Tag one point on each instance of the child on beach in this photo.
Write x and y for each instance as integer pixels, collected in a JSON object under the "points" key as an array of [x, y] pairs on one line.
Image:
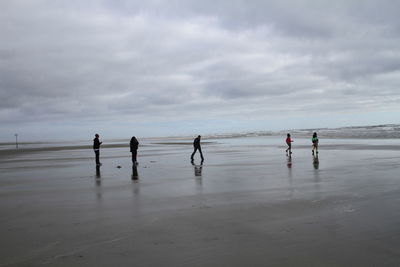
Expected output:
{"points": [[314, 140], [289, 143]]}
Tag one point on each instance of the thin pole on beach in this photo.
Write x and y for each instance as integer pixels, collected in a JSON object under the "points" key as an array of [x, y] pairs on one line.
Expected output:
{"points": [[16, 140]]}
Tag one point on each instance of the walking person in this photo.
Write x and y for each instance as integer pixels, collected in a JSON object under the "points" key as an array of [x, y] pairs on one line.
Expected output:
{"points": [[96, 148], [134, 144], [315, 141], [196, 146], [289, 143]]}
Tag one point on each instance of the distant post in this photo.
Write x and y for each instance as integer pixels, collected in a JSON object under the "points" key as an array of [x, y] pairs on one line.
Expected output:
{"points": [[16, 141]]}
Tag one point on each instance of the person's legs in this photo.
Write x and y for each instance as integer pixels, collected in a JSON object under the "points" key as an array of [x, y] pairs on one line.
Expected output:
{"points": [[134, 155], [97, 152], [314, 148], [194, 152], [201, 154]]}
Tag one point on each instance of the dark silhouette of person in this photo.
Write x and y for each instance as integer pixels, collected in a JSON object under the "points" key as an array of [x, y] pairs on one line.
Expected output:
{"points": [[134, 144], [96, 148], [196, 146]]}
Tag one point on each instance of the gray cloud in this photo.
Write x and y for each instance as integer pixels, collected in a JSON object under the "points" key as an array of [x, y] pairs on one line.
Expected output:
{"points": [[182, 60]]}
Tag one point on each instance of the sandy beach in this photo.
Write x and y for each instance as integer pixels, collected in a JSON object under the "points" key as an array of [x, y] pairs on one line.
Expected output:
{"points": [[247, 205]]}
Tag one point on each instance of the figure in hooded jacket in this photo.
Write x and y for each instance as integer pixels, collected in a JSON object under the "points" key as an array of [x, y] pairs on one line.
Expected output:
{"points": [[134, 144], [96, 148]]}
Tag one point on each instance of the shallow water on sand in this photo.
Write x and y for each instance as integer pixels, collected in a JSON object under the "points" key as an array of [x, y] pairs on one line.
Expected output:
{"points": [[49, 192], [231, 165]]}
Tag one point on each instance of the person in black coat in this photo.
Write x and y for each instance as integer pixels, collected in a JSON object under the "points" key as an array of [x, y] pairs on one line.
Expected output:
{"points": [[196, 146], [96, 148], [134, 147]]}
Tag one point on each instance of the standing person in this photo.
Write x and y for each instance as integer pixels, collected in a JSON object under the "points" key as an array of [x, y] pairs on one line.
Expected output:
{"points": [[314, 140], [134, 147], [96, 148], [289, 143], [196, 146]]}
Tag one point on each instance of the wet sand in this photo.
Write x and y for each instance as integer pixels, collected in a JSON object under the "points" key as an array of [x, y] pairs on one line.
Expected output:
{"points": [[247, 205]]}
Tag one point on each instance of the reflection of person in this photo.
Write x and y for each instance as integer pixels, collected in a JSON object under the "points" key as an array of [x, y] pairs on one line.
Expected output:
{"points": [[96, 148], [315, 141], [134, 144], [196, 146], [315, 162], [98, 174], [289, 143], [135, 175], [289, 162], [197, 169]]}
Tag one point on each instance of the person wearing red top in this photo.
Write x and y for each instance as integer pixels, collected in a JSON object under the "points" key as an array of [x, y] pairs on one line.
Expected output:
{"points": [[289, 143]]}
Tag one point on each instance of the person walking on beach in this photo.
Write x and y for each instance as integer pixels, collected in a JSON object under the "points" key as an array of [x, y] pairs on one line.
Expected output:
{"points": [[96, 148], [196, 146], [134, 147], [314, 140], [289, 143]]}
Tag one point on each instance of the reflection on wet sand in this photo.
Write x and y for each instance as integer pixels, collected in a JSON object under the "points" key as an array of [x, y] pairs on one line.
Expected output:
{"points": [[98, 183], [315, 162], [197, 169], [98, 174], [198, 174], [135, 175], [135, 179], [290, 176], [289, 162], [316, 177]]}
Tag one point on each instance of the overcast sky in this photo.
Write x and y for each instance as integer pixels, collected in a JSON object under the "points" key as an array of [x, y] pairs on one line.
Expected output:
{"points": [[70, 68]]}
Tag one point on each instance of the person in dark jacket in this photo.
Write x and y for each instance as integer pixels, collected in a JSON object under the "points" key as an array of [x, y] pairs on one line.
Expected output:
{"points": [[134, 147], [196, 146], [96, 148]]}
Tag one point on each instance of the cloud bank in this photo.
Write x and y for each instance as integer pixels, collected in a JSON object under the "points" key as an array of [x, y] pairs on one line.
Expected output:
{"points": [[102, 64]]}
